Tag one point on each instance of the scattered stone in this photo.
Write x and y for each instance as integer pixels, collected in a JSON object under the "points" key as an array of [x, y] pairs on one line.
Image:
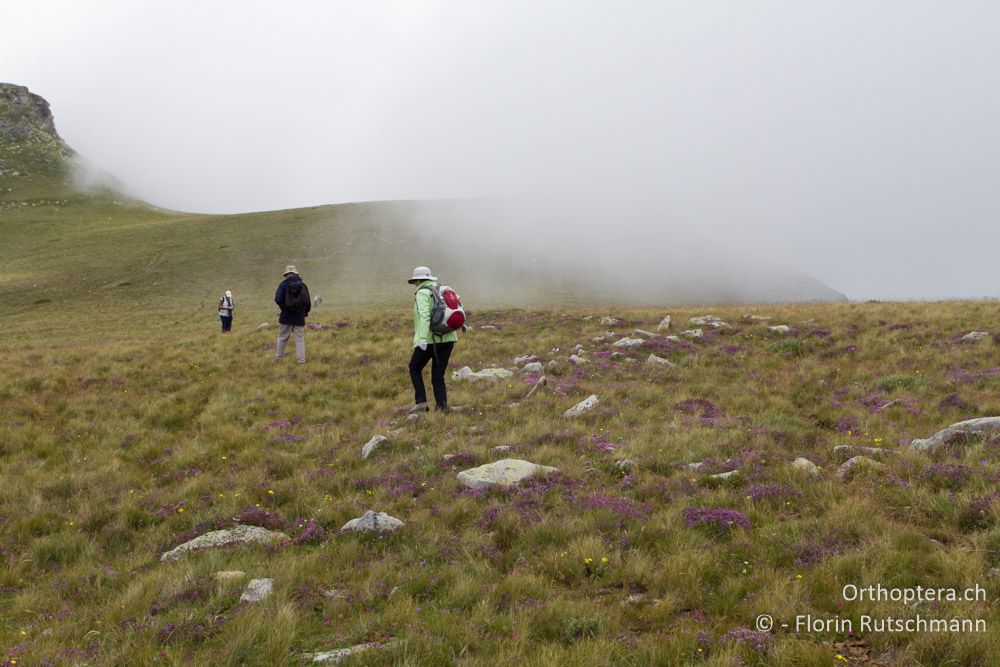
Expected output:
{"points": [[486, 327], [609, 321], [654, 360], [542, 381], [229, 575], [586, 405], [335, 594], [493, 374], [708, 321], [578, 348], [533, 367], [263, 325], [844, 452], [756, 318], [257, 590], [634, 599], [239, 534], [588, 318], [501, 448], [341, 654], [664, 324], [395, 433], [506, 472], [626, 464], [373, 444], [725, 475], [371, 521], [525, 359], [693, 333], [958, 433], [552, 364], [641, 333], [317, 300], [975, 336], [674, 339], [603, 337], [578, 361], [416, 416], [779, 328], [628, 342], [805, 465], [695, 466], [851, 467]]}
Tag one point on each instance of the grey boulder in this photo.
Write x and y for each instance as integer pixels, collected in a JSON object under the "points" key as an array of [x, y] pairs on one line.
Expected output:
{"points": [[958, 433], [506, 472], [257, 590], [239, 534], [371, 521]]}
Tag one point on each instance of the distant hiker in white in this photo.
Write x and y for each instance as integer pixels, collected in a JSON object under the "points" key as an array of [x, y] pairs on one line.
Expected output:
{"points": [[437, 317], [226, 311], [293, 299]]}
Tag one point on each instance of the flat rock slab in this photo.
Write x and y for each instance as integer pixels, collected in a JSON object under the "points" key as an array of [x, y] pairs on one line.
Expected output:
{"points": [[584, 406], [257, 590], [976, 336], [693, 333], [628, 342], [373, 444], [341, 654], [372, 521], [852, 467], [642, 333], [533, 367], [229, 575], [780, 328], [654, 360], [958, 433], [609, 321], [578, 360], [492, 374], [506, 472], [224, 538]]}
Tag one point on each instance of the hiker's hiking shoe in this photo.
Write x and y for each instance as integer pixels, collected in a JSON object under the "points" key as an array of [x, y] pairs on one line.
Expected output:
{"points": [[419, 407]]}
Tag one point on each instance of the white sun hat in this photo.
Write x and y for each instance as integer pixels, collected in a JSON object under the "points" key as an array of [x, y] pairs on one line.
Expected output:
{"points": [[421, 273]]}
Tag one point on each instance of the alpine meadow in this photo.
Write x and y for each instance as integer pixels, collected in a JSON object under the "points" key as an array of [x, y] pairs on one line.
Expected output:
{"points": [[685, 480]]}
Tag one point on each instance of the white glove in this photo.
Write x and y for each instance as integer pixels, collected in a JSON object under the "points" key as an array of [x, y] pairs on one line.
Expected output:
{"points": [[423, 347]]}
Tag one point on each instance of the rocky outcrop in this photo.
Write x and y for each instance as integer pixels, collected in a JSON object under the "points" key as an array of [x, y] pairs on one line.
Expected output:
{"points": [[959, 433], [371, 521], [506, 472], [223, 538], [586, 405]]}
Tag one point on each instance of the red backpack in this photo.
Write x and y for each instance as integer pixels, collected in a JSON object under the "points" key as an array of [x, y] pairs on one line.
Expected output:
{"points": [[447, 315]]}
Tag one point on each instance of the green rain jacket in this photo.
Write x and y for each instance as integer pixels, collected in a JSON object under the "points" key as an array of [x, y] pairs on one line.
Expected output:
{"points": [[423, 304]]}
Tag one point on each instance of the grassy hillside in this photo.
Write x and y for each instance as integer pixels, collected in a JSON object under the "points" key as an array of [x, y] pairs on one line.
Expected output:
{"points": [[112, 451]]}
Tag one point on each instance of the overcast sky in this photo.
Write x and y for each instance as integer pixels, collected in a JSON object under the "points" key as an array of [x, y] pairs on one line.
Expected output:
{"points": [[855, 141]]}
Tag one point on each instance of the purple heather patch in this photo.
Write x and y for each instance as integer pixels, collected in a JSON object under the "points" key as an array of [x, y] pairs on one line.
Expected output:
{"points": [[731, 349], [313, 534], [283, 424], [961, 375], [953, 400], [819, 332], [815, 550], [847, 425], [258, 516], [398, 484], [719, 517], [901, 326], [755, 639], [707, 412], [951, 476], [286, 438], [623, 507]]}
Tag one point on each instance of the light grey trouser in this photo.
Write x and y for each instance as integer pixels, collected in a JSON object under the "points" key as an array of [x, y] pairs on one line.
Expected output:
{"points": [[286, 330]]}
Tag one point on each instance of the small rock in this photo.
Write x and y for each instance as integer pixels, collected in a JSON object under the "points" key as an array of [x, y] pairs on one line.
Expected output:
{"points": [[552, 364], [341, 654], [263, 325], [501, 448], [805, 465], [506, 472], [756, 318], [725, 475], [695, 466], [708, 321], [635, 598], [674, 339], [609, 321], [493, 374], [586, 405], [533, 367], [239, 534], [335, 594], [373, 444], [588, 318], [628, 342], [654, 360], [779, 328], [371, 521], [257, 590], [578, 361], [578, 348], [640, 333], [664, 324], [975, 336], [487, 327], [851, 467], [693, 333], [229, 575], [525, 359], [626, 464], [416, 416]]}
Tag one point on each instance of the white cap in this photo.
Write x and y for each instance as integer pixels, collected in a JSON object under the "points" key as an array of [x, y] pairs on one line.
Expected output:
{"points": [[421, 273], [229, 294]]}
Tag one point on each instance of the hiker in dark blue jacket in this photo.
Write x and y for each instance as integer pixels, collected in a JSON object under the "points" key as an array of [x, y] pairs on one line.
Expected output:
{"points": [[293, 299]]}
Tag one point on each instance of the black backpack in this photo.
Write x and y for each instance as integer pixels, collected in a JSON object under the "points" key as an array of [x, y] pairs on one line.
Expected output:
{"points": [[297, 297]]}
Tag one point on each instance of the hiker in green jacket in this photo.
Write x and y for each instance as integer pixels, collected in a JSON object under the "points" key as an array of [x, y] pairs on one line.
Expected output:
{"points": [[428, 346]]}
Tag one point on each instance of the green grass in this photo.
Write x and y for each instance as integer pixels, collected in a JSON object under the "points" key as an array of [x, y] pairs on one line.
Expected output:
{"points": [[114, 447]]}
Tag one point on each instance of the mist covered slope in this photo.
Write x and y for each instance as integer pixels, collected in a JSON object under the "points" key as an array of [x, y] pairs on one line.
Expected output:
{"points": [[74, 242]]}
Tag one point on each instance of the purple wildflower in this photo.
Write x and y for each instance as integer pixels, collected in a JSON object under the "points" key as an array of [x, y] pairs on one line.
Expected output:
{"points": [[953, 400], [755, 639], [760, 492], [258, 516], [623, 507], [313, 534], [946, 475], [719, 517], [820, 333]]}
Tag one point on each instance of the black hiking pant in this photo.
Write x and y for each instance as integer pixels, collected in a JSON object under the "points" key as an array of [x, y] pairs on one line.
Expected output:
{"points": [[437, 354]]}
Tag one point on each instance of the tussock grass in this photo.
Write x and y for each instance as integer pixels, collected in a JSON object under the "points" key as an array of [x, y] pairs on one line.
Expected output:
{"points": [[117, 447]]}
